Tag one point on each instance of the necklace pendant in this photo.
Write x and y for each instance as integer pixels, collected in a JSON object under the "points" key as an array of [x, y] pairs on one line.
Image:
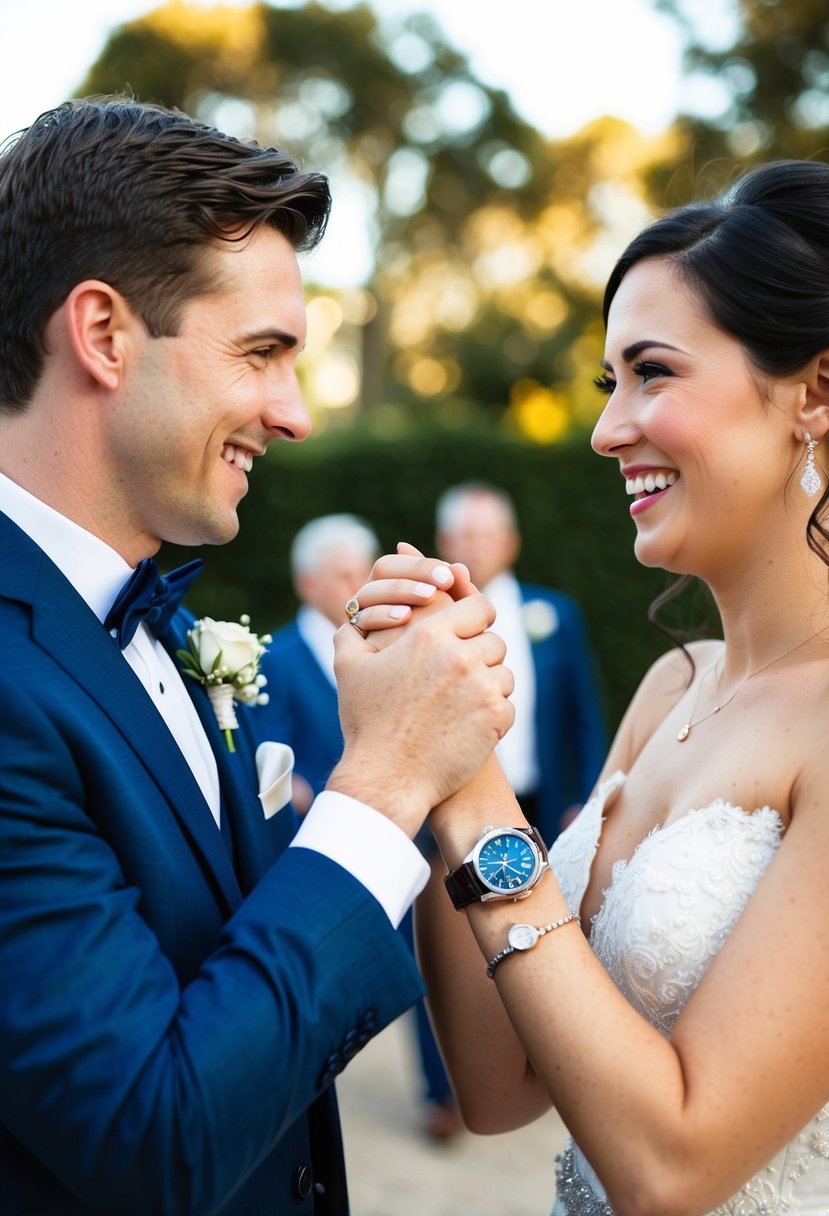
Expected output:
{"points": [[683, 734]]}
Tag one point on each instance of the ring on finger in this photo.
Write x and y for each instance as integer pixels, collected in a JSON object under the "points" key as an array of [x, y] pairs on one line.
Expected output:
{"points": [[353, 622], [352, 608]]}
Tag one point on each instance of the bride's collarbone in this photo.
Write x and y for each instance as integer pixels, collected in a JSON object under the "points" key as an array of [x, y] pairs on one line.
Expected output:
{"points": [[746, 746]]}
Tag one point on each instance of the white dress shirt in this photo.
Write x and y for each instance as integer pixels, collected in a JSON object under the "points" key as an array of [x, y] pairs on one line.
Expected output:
{"points": [[364, 842], [517, 750]]}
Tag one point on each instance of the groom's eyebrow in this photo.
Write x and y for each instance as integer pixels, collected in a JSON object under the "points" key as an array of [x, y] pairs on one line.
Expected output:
{"points": [[281, 336]]}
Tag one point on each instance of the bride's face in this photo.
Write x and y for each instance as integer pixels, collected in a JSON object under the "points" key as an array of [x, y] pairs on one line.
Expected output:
{"points": [[704, 442]]}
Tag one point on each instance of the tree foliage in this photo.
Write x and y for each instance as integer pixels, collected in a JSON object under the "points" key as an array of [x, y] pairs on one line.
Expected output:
{"points": [[481, 287], [774, 82]]}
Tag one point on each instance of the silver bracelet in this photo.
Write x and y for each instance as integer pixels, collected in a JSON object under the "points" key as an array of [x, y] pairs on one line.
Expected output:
{"points": [[524, 937]]}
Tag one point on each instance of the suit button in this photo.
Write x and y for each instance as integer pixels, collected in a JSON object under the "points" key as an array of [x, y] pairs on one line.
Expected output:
{"points": [[303, 1182]]}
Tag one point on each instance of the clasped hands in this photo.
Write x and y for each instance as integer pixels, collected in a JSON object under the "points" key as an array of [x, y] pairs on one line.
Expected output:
{"points": [[423, 690]]}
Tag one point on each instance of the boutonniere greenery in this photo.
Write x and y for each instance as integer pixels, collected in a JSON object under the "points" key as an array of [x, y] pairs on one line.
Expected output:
{"points": [[224, 656]]}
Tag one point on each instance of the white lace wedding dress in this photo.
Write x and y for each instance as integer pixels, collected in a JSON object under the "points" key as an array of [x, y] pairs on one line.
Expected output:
{"points": [[664, 917]]}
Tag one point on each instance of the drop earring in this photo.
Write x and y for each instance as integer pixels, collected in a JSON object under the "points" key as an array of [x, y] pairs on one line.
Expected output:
{"points": [[810, 481]]}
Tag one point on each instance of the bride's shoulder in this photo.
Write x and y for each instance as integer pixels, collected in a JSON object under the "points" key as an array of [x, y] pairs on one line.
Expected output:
{"points": [[665, 681], [674, 672]]}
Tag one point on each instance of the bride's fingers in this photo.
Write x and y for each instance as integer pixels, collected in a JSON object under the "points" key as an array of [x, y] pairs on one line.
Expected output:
{"points": [[414, 567], [409, 564], [462, 584], [390, 591], [382, 616]]}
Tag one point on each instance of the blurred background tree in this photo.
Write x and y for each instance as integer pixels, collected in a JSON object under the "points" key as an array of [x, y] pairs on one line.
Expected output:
{"points": [[765, 78], [466, 343], [481, 273]]}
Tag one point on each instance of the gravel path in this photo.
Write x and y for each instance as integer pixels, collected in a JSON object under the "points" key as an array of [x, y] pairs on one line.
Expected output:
{"points": [[393, 1170]]}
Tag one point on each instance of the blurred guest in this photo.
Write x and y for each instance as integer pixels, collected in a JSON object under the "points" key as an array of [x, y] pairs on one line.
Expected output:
{"points": [[553, 753], [331, 557]]}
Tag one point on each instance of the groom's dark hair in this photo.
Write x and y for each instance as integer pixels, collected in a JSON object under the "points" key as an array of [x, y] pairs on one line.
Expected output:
{"points": [[129, 193]]}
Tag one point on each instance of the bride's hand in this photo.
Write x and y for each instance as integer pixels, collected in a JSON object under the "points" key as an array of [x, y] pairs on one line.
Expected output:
{"points": [[402, 583]]}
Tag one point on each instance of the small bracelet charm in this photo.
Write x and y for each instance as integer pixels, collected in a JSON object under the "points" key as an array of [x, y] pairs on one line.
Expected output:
{"points": [[524, 937]]}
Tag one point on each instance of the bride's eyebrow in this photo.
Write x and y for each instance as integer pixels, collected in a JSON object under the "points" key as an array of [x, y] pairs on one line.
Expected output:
{"points": [[635, 349]]}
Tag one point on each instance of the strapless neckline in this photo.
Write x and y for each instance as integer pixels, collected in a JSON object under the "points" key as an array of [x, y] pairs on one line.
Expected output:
{"points": [[665, 915], [591, 820]]}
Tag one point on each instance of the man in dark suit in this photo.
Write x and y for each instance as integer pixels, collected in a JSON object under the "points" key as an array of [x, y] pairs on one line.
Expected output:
{"points": [[557, 745], [181, 980]]}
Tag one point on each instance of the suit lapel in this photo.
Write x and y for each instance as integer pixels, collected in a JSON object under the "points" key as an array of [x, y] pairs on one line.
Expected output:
{"points": [[256, 841], [67, 630]]}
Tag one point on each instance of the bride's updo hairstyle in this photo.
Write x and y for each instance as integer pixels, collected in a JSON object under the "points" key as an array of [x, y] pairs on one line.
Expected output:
{"points": [[758, 259]]}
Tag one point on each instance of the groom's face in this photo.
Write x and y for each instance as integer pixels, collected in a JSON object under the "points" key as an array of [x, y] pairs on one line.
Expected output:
{"points": [[197, 409]]}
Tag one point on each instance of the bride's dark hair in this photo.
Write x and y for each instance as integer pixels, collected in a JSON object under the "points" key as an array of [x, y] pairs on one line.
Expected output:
{"points": [[758, 259]]}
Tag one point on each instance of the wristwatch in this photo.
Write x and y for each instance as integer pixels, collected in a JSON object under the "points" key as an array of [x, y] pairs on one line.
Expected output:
{"points": [[524, 937], [506, 863]]}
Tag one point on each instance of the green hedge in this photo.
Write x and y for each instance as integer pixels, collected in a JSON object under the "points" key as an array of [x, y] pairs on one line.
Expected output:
{"points": [[577, 532]]}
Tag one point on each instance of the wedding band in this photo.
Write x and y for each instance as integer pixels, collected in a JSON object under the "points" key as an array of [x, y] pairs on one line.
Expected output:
{"points": [[353, 622], [352, 608]]}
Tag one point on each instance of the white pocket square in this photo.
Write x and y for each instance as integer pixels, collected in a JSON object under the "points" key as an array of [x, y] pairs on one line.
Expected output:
{"points": [[274, 768]]}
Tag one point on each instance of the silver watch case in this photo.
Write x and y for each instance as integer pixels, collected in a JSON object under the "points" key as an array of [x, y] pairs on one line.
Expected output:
{"points": [[493, 892]]}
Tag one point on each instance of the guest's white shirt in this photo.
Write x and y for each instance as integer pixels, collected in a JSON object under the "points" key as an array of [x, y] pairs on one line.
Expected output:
{"points": [[517, 750], [317, 632], [364, 842]]}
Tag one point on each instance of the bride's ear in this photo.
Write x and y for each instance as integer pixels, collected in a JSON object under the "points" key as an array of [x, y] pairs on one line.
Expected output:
{"points": [[813, 409]]}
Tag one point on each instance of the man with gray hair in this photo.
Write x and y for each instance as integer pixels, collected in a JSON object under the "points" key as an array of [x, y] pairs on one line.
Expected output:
{"points": [[331, 558]]}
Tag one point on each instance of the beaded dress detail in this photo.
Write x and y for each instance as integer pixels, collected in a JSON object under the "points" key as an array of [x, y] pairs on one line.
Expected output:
{"points": [[666, 914]]}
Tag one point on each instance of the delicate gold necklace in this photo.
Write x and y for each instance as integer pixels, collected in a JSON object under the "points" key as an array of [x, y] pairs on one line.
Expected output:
{"points": [[685, 731]]}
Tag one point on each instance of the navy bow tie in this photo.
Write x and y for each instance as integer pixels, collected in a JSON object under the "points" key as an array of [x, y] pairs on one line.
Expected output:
{"points": [[146, 596]]}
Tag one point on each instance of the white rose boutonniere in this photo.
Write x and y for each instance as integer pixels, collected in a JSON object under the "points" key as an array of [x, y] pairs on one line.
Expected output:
{"points": [[224, 657], [540, 619]]}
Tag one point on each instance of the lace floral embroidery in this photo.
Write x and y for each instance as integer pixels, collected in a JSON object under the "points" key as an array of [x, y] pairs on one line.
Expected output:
{"points": [[664, 917], [814, 1144], [669, 910]]}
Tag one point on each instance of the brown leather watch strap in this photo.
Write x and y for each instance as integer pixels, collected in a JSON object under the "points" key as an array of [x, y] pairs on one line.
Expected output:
{"points": [[464, 886]]}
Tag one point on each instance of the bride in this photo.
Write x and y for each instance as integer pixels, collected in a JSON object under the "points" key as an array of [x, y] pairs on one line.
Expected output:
{"points": [[681, 1027]]}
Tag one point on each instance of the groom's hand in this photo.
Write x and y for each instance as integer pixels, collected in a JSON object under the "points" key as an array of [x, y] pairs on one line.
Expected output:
{"points": [[422, 716]]}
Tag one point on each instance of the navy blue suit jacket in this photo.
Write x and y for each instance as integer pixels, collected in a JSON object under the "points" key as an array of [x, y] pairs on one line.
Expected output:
{"points": [[569, 719], [302, 707], [170, 1023]]}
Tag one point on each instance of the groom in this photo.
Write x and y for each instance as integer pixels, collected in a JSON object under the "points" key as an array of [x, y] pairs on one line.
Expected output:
{"points": [[179, 986]]}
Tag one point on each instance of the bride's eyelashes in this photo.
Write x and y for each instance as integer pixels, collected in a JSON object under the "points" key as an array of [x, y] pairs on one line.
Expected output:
{"points": [[650, 371], [645, 369]]}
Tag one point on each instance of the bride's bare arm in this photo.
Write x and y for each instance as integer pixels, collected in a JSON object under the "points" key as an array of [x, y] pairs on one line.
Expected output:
{"points": [[669, 1125]]}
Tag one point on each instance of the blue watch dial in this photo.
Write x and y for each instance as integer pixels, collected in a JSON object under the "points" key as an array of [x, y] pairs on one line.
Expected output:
{"points": [[506, 862]]}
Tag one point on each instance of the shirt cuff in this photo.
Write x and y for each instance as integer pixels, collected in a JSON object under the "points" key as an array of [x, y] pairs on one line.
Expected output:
{"points": [[367, 844]]}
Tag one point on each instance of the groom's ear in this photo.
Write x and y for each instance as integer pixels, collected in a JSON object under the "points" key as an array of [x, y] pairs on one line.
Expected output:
{"points": [[100, 326]]}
